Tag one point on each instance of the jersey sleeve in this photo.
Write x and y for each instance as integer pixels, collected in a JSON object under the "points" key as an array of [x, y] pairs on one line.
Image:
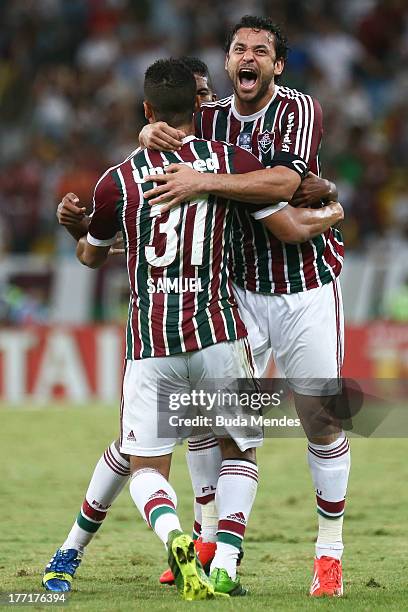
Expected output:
{"points": [[197, 124], [243, 162], [301, 134], [104, 223]]}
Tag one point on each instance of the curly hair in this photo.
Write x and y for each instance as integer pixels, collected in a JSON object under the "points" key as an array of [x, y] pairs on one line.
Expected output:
{"points": [[261, 23]]}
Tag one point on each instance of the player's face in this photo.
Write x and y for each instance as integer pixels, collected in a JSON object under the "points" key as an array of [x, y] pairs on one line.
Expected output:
{"points": [[204, 91], [252, 65]]}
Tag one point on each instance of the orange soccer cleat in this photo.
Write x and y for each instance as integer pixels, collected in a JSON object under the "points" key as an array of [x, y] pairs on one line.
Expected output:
{"points": [[205, 552], [167, 577], [327, 578]]}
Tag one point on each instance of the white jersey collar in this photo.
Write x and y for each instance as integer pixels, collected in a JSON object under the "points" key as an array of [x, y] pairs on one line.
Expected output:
{"points": [[256, 115], [188, 138]]}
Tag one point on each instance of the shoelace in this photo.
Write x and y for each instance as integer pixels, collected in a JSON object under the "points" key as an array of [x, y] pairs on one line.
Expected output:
{"points": [[64, 562]]}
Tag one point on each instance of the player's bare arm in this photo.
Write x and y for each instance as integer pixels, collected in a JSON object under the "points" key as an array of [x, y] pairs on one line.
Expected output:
{"points": [[314, 189], [73, 217], [89, 255], [297, 225], [182, 183]]}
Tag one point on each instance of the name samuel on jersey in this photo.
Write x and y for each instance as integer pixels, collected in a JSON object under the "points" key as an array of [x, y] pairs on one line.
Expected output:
{"points": [[174, 285]]}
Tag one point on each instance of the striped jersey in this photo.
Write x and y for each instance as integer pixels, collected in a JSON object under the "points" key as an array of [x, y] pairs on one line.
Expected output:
{"points": [[287, 131], [180, 291]]}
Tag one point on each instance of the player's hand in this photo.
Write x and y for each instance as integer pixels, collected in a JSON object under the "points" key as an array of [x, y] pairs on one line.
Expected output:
{"points": [[180, 183], [312, 190], [69, 212], [337, 211], [161, 137], [118, 247]]}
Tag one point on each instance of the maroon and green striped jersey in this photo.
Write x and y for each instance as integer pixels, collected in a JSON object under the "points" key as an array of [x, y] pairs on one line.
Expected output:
{"points": [[180, 290], [287, 131]]}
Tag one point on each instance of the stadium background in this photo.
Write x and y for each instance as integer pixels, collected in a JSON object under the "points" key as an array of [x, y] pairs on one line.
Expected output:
{"points": [[71, 82], [71, 75]]}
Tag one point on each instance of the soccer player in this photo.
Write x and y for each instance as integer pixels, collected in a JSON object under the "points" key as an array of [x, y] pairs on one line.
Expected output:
{"points": [[205, 88], [291, 290], [112, 470], [183, 325], [204, 458], [177, 336]]}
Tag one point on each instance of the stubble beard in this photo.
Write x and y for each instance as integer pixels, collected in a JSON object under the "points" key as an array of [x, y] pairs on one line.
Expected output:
{"points": [[265, 85]]}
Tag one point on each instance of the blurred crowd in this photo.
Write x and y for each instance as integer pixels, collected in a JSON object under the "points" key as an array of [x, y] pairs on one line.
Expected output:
{"points": [[71, 86]]}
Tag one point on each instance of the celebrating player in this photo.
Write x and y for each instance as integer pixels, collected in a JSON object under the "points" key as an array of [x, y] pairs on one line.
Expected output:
{"points": [[111, 471], [291, 291], [177, 337]]}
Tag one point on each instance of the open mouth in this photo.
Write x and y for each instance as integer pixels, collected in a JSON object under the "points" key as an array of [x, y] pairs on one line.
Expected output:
{"points": [[247, 78]]}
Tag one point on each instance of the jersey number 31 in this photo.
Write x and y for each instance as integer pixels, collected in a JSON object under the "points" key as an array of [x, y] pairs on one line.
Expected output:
{"points": [[174, 232]]}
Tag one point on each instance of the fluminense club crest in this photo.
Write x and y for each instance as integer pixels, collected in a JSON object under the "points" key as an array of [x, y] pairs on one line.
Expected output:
{"points": [[266, 142]]}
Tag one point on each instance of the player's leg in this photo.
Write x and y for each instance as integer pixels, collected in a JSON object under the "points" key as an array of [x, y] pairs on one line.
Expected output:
{"points": [[110, 475], [310, 354], [204, 455], [204, 463], [236, 492], [156, 501], [150, 455], [108, 479], [254, 314], [153, 495], [238, 476]]}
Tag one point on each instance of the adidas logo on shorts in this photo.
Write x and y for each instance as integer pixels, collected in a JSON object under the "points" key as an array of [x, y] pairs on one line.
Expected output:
{"points": [[131, 436]]}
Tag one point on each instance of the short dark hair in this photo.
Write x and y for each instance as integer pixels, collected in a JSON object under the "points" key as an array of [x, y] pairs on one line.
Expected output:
{"points": [[195, 65], [198, 67], [170, 88], [261, 23]]}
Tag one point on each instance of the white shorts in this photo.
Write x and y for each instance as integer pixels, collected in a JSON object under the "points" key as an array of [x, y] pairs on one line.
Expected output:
{"points": [[304, 333], [146, 380]]}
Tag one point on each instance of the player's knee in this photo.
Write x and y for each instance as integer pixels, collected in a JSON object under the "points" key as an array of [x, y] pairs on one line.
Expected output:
{"points": [[159, 464], [324, 440], [117, 446], [319, 422], [230, 450]]}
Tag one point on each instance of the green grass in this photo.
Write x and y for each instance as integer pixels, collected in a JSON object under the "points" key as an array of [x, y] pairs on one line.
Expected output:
{"points": [[46, 458]]}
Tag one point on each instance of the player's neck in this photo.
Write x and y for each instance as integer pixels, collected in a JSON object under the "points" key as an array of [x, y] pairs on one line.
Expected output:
{"points": [[251, 107], [187, 128]]}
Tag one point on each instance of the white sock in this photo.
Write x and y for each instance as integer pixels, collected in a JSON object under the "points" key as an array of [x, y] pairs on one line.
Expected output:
{"points": [[110, 476], [236, 491], [330, 467], [209, 524], [329, 541], [156, 501], [226, 557], [204, 463]]}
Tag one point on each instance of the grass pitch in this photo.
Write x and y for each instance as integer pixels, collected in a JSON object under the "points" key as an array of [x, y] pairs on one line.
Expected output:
{"points": [[46, 458]]}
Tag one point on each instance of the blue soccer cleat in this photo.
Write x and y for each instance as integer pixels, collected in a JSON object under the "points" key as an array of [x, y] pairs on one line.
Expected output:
{"points": [[61, 569]]}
